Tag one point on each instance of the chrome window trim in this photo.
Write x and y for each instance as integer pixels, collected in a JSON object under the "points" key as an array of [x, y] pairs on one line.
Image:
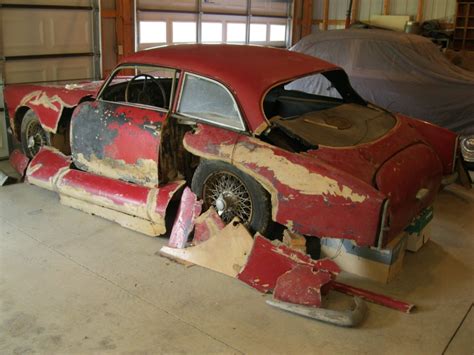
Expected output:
{"points": [[241, 124], [137, 105]]}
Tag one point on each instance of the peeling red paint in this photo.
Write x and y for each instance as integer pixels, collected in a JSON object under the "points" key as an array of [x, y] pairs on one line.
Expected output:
{"points": [[50, 169], [47, 101], [318, 213], [267, 262], [353, 170], [401, 178], [165, 194], [303, 285], [189, 209], [19, 161], [442, 140], [46, 166], [206, 225], [118, 192], [132, 143]]}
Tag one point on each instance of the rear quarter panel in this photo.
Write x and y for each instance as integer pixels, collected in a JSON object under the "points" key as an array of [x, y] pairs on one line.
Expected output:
{"points": [[308, 196]]}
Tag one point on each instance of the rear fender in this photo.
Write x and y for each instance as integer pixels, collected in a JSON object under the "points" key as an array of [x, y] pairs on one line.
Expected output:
{"points": [[308, 196], [443, 141]]}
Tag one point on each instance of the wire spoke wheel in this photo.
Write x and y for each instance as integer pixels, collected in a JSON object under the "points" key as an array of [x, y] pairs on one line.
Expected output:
{"points": [[230, 197], [33, 136], [36, 137], [233, 194]]}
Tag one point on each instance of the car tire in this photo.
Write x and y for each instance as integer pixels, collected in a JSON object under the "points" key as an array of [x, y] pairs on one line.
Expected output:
{"points": [[33, 136], [233, 194]]}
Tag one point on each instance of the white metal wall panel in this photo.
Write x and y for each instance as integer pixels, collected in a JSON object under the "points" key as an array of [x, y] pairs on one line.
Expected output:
{"points": [[172, 5], [50, 69], [433, 9], [46, 31], [48, 2]]}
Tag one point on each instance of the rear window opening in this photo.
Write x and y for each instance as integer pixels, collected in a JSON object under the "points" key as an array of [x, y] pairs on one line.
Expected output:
{"points": [[321, 109]]}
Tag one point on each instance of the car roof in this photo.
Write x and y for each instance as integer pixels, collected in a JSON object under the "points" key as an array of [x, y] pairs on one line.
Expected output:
{"points": [[247, 70]]}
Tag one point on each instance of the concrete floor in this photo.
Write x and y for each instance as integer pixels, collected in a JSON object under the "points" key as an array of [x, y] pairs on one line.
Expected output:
{"points": [[75, 283]]}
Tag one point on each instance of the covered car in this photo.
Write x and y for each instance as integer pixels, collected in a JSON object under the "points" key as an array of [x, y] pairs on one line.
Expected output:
{"points": [[225, 120], [400, 72]]}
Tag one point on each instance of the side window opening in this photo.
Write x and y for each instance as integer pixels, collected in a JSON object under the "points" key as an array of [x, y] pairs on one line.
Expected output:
{"points": [[143, 85], [209, 101]]}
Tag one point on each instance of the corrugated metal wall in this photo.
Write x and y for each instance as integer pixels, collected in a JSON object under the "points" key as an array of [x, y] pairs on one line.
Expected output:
{"points": [[432, 9]]}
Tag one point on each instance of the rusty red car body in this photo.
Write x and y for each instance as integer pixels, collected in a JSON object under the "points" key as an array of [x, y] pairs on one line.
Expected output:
{"points": [[128, 160]]}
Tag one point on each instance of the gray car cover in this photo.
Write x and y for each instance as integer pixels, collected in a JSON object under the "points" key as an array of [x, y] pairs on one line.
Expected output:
{"points": [[397, 71]]}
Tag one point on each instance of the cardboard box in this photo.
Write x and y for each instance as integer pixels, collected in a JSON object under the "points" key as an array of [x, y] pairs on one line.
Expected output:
{"points": [[419, 231], [381, 265]]}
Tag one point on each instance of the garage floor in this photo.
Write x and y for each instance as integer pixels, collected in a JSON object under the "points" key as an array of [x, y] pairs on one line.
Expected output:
{"points": [[75, 283]]}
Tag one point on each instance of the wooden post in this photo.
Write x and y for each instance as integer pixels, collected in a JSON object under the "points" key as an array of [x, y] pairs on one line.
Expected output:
{"points": [[419, 14], [125, 28], [386, 7], [355, 11], [307, 17], [325, 15], [295, 22]]}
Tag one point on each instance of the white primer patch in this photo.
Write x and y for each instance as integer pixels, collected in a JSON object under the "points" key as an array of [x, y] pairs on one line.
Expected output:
{"points": [[293, 175]]}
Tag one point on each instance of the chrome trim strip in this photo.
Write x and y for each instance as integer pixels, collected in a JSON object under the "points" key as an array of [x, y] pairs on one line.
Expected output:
{"points": [[242, 126], [382, 223]]}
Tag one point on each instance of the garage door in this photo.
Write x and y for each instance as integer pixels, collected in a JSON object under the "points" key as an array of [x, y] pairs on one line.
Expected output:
{"points": [[49, 40], [219, 21]]}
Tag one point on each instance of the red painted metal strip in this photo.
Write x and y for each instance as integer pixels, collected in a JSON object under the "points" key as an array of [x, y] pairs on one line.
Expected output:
{"points": [[183, 225], [45, 166], [165, 194], [19, 161], [267, 262], [374, 297], [118, 192]]}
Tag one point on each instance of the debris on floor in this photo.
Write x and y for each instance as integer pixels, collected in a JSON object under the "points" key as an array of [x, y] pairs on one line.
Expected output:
{"points": [[303, 285], [225, 252], [6, 179], [206, 225], [381, 265], [297, 281], [294, 240], [374, 297], [269, 260], [188, 210], [349, 318], [19, 161]]}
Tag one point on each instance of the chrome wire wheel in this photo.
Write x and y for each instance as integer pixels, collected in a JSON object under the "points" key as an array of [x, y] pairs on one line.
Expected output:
{"points": [[36, 137], [229, 196]]}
